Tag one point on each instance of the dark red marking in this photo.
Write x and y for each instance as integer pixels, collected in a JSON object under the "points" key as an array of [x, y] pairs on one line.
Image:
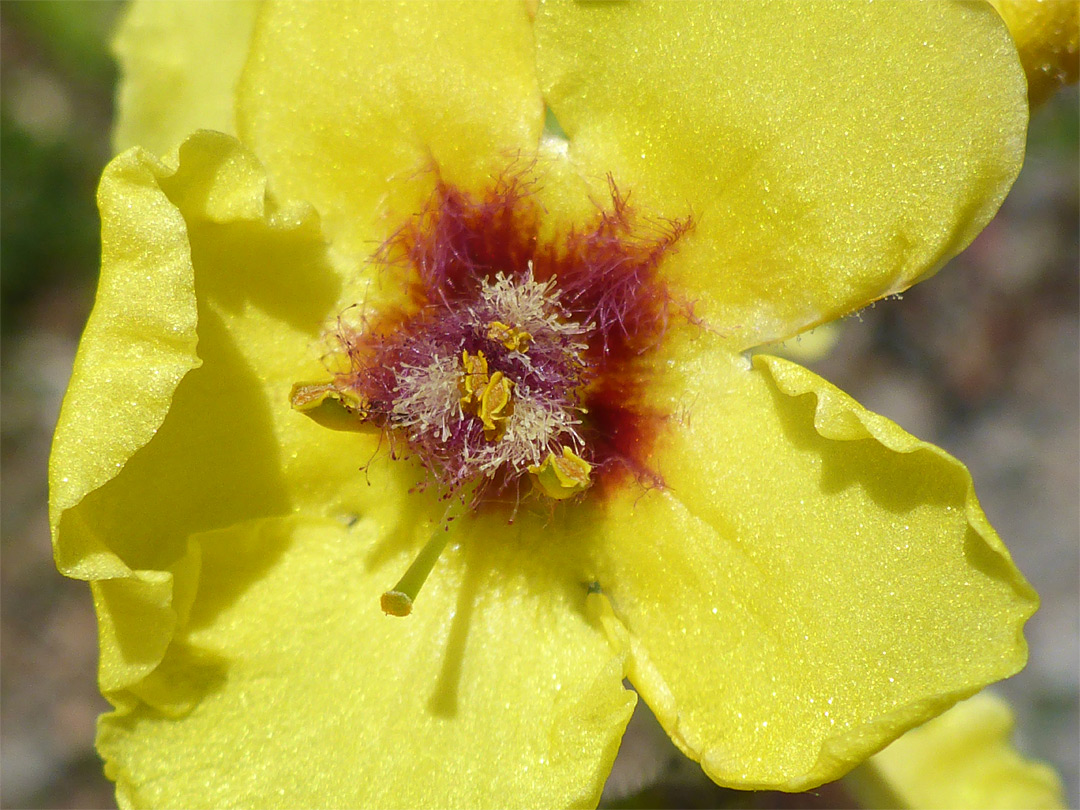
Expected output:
{"points": [[608, 278]]}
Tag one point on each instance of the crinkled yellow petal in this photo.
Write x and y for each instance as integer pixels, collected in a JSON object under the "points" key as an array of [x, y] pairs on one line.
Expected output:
{"points": [[1047, 34], [962, 760], [499, 690], [179, 63], [140, 338], [351, 106], [155, 441], [830, 153], [811, 581]]}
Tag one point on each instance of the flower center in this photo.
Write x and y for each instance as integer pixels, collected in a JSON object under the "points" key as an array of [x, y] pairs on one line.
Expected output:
{"points": [[489, 386], [514, 362], [485, 389]]}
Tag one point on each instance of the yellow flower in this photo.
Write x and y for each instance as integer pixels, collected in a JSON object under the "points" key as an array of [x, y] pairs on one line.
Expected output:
{"points": [[796, 584]]}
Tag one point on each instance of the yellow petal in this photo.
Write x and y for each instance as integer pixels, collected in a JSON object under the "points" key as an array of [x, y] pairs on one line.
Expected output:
{"points": [[154, 442], [961, 760], [171, 519], [352, 105], [830, 153], [139, 341], [1047, 34], [179, 63], [499, 690], [810, 346], [811, 582]]}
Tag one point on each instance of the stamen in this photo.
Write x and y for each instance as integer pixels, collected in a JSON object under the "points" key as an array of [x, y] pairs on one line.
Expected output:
{"points": [[562, 477], [399, 600], [493, 402], [331, 406], [474, 378], [516, 340], [308, 396], [425, 398]]}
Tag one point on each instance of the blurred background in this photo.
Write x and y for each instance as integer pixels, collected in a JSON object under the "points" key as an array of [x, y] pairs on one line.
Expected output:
{"points": [[981, 360]]}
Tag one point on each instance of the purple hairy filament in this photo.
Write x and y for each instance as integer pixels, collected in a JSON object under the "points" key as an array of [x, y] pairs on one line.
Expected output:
{"points": [[511, 356]]}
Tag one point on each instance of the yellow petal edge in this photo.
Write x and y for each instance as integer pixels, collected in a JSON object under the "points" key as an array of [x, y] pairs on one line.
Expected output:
{"points": [[962, 760], [810, 583], [830, 153], [139, 345]]}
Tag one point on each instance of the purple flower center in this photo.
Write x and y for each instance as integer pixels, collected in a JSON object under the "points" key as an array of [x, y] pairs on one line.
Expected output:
{"points": [[512, 359]]}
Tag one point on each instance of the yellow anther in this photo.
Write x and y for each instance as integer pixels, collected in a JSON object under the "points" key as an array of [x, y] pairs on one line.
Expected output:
{"points": [[473, 379], [562, 477], [516, 340], [309, 396], [495, 404]]}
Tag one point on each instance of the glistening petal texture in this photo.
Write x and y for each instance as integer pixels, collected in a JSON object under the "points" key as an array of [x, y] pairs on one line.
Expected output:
{"points": [[179, 64], [498, 688], [351, 106], [139, 341], [811, 581], [236, 515], [831, 153], [962, 760], [136, 349], [177, 417]]}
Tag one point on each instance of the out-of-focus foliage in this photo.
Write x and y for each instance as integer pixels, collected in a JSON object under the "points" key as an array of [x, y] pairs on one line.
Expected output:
{"points": [[56, 85], [55, 106]]}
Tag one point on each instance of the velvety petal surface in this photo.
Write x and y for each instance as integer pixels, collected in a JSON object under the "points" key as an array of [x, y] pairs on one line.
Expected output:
{"points": [[237, 550], [811, 581], [830, 153], [962, 760], [353, 106], [146, 450], [179, 64], [497, 690]]}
